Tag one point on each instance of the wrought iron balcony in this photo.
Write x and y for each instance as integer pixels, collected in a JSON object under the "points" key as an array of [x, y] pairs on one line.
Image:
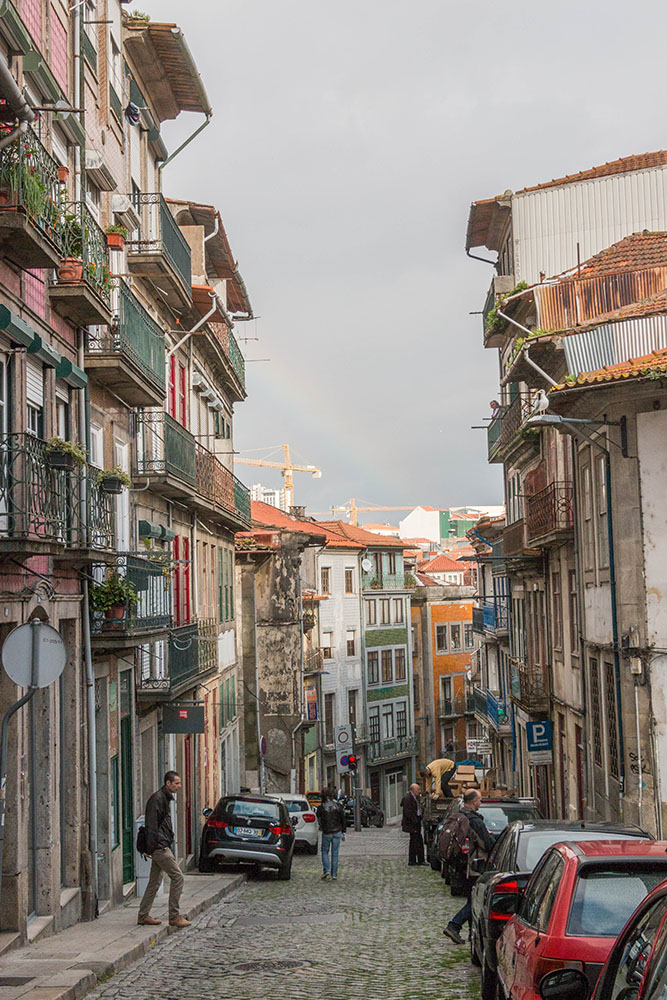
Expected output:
{"points": [[165, 451], [183, 664], [223, 342], [191, 653], [515, 539], [207, 630], [491, 615], [129, 357], [313, 662], [42, 508], [142, 583], [459, 705], [506, 430], [491, 709], [549, 513], [83, 288], [401, 746], [160, 249], [383, 581], [530, 686], [30, 195]]}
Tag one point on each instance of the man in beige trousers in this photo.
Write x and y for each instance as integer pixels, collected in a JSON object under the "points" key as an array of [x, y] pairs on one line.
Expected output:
{"points": [[159, 842]]}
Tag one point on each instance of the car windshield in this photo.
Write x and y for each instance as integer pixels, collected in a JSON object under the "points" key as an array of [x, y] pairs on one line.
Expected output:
{"points": [[298, 805], [532, 844], [605, 898], [496, 817], [234, 809]]}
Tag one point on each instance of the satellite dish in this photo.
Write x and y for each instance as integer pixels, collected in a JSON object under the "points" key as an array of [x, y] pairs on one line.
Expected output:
{"points": [[366, 565]]}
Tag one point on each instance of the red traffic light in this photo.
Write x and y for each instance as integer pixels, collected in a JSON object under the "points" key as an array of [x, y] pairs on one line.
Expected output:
{"points": [[352, 762]]}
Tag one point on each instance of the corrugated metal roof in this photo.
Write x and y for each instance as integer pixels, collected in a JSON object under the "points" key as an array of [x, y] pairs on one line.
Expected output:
{"points": [[614, 343]]}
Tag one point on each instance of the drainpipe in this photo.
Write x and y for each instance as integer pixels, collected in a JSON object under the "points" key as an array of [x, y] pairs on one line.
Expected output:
{"points": [[580, 619], [12, 94], [197, 326], [640, 776]]}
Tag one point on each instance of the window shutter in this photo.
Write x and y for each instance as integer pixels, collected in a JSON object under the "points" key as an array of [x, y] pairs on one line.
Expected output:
{"points": [[35, 382]]}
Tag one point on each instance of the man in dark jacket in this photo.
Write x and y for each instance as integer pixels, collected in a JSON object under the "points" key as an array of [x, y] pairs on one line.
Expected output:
{"points": [[331, 818], [412, 823], [159, 843], [481, 843]]}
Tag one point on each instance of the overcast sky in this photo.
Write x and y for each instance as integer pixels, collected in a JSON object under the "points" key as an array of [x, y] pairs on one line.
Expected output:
{"points": [[347, 142]]}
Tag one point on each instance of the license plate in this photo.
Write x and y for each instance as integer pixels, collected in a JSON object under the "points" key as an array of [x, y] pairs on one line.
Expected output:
{"points": [[247, 831]]}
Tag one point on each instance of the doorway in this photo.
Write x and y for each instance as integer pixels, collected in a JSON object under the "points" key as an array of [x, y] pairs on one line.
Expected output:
{"points": [[393, 793], [127, 784]]}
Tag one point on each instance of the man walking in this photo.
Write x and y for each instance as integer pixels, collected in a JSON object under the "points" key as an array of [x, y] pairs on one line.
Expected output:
{"points": [[159, 843], [481, 843], [332, 822], [412, 823]]}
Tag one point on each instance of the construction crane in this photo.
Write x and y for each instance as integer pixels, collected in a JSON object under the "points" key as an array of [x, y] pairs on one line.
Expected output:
{"points": [[350, 507], [287, 468]]}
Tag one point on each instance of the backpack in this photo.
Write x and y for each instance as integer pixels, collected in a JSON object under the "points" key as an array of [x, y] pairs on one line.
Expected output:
{"points": [[454, 842], [142, 840]]}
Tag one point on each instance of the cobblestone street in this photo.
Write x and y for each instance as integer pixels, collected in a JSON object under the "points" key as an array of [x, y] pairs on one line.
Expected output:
{"points": [[375, 933]]}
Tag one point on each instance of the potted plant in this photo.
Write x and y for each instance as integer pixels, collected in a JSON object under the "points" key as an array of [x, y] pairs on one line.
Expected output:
{"points": [[71, 266], [113, 598], [63, 174], [113, 480], [116, 236], [62, 454]]}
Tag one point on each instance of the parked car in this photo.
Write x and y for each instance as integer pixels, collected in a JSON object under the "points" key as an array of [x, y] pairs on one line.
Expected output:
{"points": [[515, 855], [305, 828], [371, 814], [636, 968], [576, 903], [497, 814], [252, 829], [315, 799]]}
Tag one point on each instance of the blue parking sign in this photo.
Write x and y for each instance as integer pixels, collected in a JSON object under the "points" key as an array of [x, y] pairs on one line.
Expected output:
{"points": [[538, 735]]}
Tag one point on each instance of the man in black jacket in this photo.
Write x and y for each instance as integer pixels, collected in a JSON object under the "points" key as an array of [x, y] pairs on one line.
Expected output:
{"points": [[331, 818], [481, 843], [412, 823], [159, 842]]}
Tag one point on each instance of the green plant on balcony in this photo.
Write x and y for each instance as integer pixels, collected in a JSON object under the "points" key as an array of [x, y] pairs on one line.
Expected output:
{"points": [[410, 580], [375, 584], [308, 620], [113, 480], [19, 174], [113, 596], [494, 322], [116, 236], [65, 454], [138, 15]]}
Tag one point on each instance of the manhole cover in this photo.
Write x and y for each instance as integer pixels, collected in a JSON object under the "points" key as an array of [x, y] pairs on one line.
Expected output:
{"points": [[266, 966], [15, 980]]}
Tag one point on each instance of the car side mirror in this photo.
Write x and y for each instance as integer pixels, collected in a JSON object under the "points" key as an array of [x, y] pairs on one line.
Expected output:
{"points": [[294, 820], [206, 812], [478, 865], [564, 984]]}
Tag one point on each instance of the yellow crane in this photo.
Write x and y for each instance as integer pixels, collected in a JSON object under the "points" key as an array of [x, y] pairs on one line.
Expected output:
{"points": [[350, 507], [287, 467]]}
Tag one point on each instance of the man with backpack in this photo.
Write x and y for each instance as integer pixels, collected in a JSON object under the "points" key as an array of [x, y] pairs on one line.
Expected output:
{"points": [[157, 843], [468, 839]]}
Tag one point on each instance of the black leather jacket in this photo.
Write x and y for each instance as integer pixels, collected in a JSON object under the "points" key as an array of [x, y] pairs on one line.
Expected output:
{"points": [[331, 817], [159, 831]]}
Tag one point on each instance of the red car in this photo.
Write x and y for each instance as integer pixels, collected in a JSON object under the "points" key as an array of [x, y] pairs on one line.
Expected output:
{"points": [[572, 909]]}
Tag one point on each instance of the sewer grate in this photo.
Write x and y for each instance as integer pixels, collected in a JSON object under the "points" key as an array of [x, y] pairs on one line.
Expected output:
{"points": [[15, 980], [266, 966]]}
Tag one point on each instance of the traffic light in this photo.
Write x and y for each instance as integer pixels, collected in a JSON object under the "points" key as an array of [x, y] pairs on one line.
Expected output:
{"points": [[352, 762]]}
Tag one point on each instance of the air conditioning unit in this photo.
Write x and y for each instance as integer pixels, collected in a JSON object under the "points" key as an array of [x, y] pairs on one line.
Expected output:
{"points": [[99, 172], [125, 212]]}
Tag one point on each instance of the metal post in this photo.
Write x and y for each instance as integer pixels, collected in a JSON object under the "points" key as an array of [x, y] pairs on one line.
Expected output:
{"points": [[4, 736], [357, 785]]}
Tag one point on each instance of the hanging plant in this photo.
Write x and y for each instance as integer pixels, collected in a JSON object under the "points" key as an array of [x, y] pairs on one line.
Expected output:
{"points": [[64, 454]]}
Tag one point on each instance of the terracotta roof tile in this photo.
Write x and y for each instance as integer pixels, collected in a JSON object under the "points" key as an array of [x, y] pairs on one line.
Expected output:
{"points": [[634, 252], [648, 366], [265, 514], [427, 581], [366, 538], [441, 564], [624, 165]]}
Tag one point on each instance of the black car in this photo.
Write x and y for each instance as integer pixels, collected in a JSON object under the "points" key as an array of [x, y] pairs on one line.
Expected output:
{"points": [[252, 829], [371, 814], [496, 813], [507, 871]]}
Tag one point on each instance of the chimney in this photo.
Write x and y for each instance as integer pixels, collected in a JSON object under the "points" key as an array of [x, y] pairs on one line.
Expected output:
{"points": [[299, 512]]}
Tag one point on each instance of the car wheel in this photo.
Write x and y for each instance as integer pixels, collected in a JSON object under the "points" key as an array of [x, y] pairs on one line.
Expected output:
{"points": [[381, 821], [311, 848], [474, 957], [206, 865], [489, 981], [364, 821], [285, 871]]}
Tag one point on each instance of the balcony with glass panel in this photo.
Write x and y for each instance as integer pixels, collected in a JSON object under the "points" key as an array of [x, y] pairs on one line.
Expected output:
{"points": [[128, 357], [159, 251]]}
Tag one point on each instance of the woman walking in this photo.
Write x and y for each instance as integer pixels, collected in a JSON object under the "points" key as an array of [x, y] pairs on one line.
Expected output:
{"points": [[331, 818]]}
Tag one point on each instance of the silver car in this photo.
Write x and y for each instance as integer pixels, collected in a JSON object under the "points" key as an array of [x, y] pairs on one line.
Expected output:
{"points": [[306, 826]]}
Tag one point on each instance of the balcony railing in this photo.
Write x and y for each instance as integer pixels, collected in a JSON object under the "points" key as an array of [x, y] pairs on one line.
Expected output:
{"points": [[207, 630], [491, 709], [460, 705], [30, 189], [530, 687], [236, 358], [549, 512], [383, 581], [165, 448], [313, 661], [183, 654], [160, 235], [504, 429], [147, 604], [135, 336], [84, 241], [205, 472], [401, 746], [41, 504], [515, 538], [491, 615]]}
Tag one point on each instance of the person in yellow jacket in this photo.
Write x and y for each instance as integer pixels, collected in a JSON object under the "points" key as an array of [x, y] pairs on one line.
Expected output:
{"points": [[435, 772]]}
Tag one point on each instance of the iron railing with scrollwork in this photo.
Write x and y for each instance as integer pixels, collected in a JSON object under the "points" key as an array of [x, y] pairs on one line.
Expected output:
{"points": [[401, 746], [208, 647], [164, 447], [237, 359], [530, 685], [205, 472], [84, 240], [160, 233], [100, 520], [135, 334], [147, 605], [550, 510], [183, 654], [29, 181]]}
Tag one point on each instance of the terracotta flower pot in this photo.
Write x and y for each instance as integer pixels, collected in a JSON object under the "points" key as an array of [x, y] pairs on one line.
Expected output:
{"points": [[63, 174], [116, 611], [6, 197], [113, 618], [115, 241], [70, 270]]}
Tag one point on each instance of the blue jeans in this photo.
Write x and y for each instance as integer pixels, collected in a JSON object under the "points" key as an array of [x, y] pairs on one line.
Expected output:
{"points": [[330, 841]]}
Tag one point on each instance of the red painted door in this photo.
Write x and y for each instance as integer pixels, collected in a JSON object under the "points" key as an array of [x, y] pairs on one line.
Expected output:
{"points": [[171, 396]]}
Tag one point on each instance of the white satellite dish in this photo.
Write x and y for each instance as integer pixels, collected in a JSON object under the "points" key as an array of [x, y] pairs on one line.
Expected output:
{"points": [[366, 565]]}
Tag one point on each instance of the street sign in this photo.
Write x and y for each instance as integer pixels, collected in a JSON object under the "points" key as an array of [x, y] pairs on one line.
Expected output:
{"points": [[342, 761], [262, 746], [312, 713], [182, 718], [478, 746], [47, 660], [539, 742], [343, 737], [538, 757]]}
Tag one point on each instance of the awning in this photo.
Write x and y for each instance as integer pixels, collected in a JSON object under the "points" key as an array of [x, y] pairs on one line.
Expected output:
{"points": [[69, 373], [168, 72], [25, 336], [46, 354]]}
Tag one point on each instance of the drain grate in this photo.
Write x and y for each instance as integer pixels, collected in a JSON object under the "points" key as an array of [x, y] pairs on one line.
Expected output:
{"points": [[15, 980]]}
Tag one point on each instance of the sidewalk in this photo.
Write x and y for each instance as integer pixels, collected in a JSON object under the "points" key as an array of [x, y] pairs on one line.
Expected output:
{"points": [[67, 965]]}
